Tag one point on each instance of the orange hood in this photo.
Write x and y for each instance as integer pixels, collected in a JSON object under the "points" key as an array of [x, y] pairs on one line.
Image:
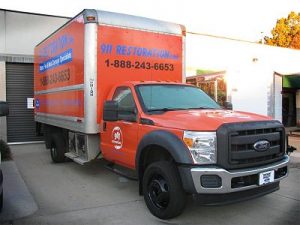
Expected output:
{"points": [[202, 120]]}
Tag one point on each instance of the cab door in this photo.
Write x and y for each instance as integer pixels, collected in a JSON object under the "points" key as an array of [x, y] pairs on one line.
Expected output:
{"points": [[119, 138]]}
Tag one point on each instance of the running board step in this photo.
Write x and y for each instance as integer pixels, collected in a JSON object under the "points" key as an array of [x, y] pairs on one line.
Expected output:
{"points": [[80, 161], [124, 172], [76, 158], [71, 155]]}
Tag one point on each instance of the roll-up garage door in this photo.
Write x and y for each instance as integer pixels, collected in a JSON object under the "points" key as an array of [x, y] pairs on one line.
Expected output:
{"points": [[21, 126]]}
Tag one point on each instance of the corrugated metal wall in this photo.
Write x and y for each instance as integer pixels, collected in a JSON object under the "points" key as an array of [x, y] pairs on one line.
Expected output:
{"points": [[19, 86]]}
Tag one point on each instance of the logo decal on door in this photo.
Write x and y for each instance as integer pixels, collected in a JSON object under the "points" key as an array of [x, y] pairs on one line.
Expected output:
{"points": [[117, 138]]}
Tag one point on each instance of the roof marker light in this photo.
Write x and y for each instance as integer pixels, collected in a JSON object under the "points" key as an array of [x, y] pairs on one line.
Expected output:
{"points": [[91, 18]]}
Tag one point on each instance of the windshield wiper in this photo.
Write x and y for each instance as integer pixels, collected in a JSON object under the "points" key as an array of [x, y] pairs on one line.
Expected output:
{"points": [[202, 107], [164, 109], [174, 109]]}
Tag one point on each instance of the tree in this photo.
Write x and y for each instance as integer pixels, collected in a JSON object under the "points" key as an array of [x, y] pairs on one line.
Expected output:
{"points": [[286, 33]]}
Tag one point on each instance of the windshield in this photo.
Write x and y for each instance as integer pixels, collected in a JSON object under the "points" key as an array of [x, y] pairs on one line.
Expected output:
{"points": [[174, 97]]}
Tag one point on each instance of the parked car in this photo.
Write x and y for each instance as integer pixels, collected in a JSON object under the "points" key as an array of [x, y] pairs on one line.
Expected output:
{"points": [[3, 112]]}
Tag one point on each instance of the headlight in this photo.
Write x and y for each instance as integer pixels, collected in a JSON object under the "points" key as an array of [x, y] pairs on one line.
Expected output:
{"points": [[202, 145]]}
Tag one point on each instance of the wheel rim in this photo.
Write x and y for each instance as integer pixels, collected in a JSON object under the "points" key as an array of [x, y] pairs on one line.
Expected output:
{"points": [[158, 192]]}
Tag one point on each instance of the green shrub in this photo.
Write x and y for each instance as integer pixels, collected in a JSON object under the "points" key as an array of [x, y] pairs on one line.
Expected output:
{"points": [[5, 151]]}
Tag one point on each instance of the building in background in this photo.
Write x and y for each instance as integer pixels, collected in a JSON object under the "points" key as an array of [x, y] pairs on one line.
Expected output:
{"points": [[19, 33], [259, 78], [213, 83]]}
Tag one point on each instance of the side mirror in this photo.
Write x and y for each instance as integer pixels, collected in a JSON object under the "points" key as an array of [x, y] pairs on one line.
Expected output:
{"points": [[228, 105], [127, 114], [4, 111], [110, 112]]}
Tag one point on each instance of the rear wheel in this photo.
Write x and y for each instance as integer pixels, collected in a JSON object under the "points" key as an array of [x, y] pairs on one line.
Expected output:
{"points": [[58, 148], [162, 189]]}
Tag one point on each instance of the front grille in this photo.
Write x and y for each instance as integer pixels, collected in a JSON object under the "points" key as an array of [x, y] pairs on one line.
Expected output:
{"points": [[239, 140], [243, 152]]}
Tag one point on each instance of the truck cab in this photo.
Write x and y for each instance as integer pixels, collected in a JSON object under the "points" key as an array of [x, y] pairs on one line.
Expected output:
{"points": [[181, 141]]}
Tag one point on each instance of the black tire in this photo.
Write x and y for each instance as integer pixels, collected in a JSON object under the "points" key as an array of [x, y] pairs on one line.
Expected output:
{"points": [[162, 189], [58, 148]]}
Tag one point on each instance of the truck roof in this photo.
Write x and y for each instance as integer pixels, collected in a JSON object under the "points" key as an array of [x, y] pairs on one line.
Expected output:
{"points": [[125, 21]]}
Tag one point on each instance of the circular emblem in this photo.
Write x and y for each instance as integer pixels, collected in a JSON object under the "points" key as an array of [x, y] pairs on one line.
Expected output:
{"points": [[37, 103], [117, 138], [261, 146]]}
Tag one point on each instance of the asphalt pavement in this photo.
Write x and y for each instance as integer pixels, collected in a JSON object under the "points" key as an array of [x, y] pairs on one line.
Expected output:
{"points": [[69, 193]]}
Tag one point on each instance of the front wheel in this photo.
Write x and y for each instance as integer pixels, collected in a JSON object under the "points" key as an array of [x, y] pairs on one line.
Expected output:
{"points": [[162, 189]]}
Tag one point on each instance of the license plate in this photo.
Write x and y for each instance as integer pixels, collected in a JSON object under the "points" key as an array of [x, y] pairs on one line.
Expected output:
{"points": [[266, 177]]}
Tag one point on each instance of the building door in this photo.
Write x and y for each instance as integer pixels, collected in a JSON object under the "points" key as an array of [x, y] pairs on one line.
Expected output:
{"points": [[21, 126], [289, 108], [277, 101]]}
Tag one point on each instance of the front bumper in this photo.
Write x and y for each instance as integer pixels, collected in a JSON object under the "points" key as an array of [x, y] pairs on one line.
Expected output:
{"points": [[228, 177]]}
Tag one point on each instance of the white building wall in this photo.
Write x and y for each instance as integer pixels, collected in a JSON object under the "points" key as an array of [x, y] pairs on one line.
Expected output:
{"points": [[2, 33], [23, 31], [19, 34], [207, 52], [249, 89], [249, 69]]}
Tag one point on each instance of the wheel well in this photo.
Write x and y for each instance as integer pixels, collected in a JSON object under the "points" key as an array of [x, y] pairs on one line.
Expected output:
{"points": [[150, 154], [50, 130], [155, 153]]}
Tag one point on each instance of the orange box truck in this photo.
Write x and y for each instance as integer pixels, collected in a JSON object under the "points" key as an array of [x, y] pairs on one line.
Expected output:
{"points": [[112, 86]]}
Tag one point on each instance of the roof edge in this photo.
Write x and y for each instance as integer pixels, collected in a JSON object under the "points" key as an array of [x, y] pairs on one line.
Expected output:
{"points": [[35, 14]]}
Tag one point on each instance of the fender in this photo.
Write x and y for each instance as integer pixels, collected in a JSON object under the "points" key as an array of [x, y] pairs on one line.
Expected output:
{"points": [[176, 149], [168, 141]]}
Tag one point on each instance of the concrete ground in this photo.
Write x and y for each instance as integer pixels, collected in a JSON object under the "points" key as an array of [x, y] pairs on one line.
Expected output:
{"points": [[69, 193]]}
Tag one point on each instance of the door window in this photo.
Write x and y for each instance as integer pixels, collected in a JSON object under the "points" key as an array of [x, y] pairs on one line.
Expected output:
{"points": [[127, 108]]}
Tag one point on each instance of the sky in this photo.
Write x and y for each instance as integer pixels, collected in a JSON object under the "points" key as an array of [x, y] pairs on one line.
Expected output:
{"points": [[238, 19]]}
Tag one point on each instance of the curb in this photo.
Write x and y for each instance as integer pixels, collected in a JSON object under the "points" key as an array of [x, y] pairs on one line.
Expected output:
{"points": [[18, 202]]}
